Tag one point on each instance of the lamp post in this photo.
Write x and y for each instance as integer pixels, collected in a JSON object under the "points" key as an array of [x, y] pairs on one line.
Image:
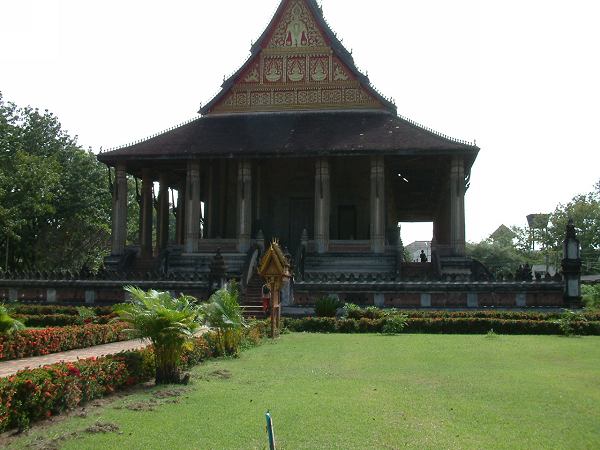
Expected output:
{"points": [[571, 267]]}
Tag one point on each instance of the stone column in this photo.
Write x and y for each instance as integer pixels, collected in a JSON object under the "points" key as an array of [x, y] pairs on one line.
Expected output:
{"points": [[377, 204], [163, 215], [457, 206], [257, 197], [192, 208], [244, 205], [180, 222], [119, 212], [146, 213], [209, 207], [322, 204]]}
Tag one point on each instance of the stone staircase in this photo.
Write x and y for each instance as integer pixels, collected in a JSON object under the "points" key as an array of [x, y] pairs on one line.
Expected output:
{"points": [[200, 263], [144, 265], [356, 264], [252, 299]]}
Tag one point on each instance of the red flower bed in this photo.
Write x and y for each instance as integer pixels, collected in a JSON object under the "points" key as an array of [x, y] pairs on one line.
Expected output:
{"points": [[58, 320], [43, 310], [39, 393], [26, 343], [36, 394]]}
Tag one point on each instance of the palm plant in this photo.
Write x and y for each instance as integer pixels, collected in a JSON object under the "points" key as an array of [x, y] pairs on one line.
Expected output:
{"points": [[166, 321], [7, 323], [224, 315]]}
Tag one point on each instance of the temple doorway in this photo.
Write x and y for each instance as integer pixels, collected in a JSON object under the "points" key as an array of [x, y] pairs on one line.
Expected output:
{"points": [[347, 222], [301, 218]]}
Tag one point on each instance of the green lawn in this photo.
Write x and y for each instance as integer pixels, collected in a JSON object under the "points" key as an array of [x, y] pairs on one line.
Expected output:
{"points": [[367, 391]]}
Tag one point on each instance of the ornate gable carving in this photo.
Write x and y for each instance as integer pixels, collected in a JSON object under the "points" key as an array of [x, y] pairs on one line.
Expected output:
{"points": [[296, 69], [296, 28]]}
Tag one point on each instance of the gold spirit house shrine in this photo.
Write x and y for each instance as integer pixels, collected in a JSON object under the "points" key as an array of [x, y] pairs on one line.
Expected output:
{"points": [[299, 146]]}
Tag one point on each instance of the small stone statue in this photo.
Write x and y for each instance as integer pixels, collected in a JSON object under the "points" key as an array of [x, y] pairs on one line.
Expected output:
{"points": [[423, 256], [519, 273], [527, 275]]}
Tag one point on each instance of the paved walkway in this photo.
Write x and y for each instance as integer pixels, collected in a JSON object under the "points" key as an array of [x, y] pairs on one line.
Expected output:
{"points": [[8, 368]]}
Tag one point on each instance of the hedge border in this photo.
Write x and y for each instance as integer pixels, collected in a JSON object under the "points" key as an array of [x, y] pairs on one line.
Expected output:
{"points": [[36, 394], [439, 326], [377, 313]]}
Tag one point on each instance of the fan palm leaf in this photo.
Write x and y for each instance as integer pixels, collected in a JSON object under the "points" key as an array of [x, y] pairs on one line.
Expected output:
{"points": [[8, 324], [166, 321]]}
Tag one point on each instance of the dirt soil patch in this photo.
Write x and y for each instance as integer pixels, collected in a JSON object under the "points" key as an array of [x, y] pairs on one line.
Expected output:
{"points": [[221, 374], [149, 405], [170, 393], [103, 427]]}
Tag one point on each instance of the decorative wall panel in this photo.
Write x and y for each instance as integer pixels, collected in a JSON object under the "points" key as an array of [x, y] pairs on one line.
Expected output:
{"points": [[295, 69]]}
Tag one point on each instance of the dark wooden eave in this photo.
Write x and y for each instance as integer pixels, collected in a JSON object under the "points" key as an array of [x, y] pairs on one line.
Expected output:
{"points": [[293, 134]]}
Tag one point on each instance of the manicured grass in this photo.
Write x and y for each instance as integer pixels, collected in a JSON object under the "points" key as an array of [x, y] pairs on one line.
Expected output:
{"points": [[370, 391]]}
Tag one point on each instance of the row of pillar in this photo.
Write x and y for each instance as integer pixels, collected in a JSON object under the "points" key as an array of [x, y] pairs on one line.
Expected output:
{"points": [[323, 204], [190, 214]]}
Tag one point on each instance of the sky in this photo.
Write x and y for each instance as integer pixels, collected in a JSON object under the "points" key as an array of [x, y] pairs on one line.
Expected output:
{"points": [[518, 76]]}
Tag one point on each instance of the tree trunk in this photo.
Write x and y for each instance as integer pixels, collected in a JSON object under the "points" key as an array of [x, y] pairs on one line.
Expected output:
{"points": [[167, 371]]}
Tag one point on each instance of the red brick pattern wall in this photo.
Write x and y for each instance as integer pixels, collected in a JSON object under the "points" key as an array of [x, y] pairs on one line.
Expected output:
{"points": [[449, 300], [441, 299], [497, 299], [409, 300]]}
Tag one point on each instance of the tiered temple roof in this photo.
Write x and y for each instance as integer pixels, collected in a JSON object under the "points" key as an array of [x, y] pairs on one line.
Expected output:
{"points": [[298, 94]]}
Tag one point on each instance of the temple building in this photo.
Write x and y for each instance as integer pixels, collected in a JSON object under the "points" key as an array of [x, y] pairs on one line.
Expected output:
{"points": [[298, 146]]}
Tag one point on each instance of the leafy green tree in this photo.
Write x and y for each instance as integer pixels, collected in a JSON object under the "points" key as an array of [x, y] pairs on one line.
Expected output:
{"points": [[55, 205], [591, 295], [499, 257], [133, 211], [506, 250], [168, 323], [585, 211]]}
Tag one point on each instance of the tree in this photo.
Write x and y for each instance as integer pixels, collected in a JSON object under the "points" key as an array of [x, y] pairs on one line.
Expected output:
{"points": [[591, 295], [55, 204], [133, 211], [168, 323], [499, 258], [584, 209]]}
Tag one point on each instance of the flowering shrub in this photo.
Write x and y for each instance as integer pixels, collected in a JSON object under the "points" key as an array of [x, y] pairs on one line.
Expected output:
{"points": [[36, 394], [58, 320], [26, 343], [39, 393]]}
